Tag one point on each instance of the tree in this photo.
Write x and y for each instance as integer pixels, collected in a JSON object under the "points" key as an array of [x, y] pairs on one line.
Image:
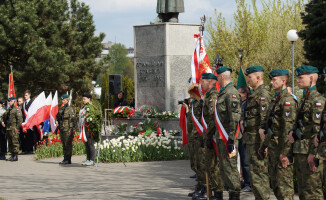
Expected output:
{"points": [[50, 44], [129, 89], [314, 19], [105, 92], [118, 60], [261, 33]]}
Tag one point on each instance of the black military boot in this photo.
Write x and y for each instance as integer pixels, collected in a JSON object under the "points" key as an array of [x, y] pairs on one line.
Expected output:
{"points": [[67, 161], [218, 195], [197, 189], [200, 195], [234, 196], [15, 158], [64, 159], [11, 157]]}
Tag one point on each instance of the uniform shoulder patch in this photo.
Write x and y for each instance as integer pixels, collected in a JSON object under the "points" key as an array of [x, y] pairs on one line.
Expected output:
{"points": [[262, 98], [318, 104], [234, 96]]}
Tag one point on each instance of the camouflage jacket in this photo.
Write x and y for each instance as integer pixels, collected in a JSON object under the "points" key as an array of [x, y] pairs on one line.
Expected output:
{"points": [[197, 108], [66, 118], [13, 118], [208, 113], [312, 112], [255, 114], [228, 108], [280, 119]]}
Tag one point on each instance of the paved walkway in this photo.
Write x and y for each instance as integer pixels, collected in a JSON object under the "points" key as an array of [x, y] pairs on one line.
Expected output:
{"points": [[45, 179]]}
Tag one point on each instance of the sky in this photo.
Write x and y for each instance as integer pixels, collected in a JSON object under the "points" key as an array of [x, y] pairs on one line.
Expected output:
{"points": [[116, 18]]}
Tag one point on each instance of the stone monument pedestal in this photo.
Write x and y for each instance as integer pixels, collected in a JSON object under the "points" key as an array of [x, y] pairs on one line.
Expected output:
{"points": [[162, 63]]}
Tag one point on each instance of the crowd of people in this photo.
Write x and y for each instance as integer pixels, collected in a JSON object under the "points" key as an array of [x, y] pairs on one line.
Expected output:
{"points": [[276, 136], [25, 142]]}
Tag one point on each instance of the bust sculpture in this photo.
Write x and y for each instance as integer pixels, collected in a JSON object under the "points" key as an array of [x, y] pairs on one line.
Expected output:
{"points": [[168, 11]]}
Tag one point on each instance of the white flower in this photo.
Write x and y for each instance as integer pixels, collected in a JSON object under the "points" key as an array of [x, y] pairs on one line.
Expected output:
{"points": [[90, 119], [87, 109]]}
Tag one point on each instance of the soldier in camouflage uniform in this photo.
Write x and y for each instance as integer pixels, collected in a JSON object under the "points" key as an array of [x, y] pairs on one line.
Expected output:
{"points": [[211, 161], [228, 109], [320, 141], [254, 122], [66, 123], [195, 113], [303, 134], [280, 119], [12, 120], [190, 138]]}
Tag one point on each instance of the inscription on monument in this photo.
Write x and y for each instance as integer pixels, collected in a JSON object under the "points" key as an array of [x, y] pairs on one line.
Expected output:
{"points": [[150, 73]]}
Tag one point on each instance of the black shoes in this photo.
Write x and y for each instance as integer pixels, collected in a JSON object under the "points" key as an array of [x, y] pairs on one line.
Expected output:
{"points": [[66, 160], [13, 157]]}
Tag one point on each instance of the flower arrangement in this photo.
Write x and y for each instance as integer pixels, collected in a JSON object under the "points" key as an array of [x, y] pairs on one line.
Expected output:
{"points": [[93, 117], [166, 115], [53, 147], [122, 112], [141, 148]]}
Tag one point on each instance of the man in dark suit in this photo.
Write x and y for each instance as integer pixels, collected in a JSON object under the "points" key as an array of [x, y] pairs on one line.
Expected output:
{"points": [[29, 139]]}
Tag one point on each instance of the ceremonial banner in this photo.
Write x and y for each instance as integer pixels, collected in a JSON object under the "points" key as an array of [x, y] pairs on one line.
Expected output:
{"points": [[183, 126], [199, 65], [11, 90]]}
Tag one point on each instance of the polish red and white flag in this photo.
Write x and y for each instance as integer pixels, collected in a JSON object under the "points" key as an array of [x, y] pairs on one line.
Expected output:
{"points": [[53, 111], [37, 112]]}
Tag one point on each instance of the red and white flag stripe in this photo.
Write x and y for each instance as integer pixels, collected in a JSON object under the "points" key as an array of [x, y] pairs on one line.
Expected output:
{"points": [[82, 135], [54, 111]]}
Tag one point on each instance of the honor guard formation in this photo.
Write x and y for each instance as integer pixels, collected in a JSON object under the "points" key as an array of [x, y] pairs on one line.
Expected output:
{"points": [[278, 138]]}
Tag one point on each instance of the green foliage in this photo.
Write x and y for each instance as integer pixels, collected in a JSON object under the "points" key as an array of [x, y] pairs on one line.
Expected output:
{"points": [[117, 59], [260, 32], [50, 44], [129, 88], [94, 119], [105, 92], [314, 19]]}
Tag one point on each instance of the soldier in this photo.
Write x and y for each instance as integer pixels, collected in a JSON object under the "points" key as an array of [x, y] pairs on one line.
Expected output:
{"points": [[227, 118], [320, 141], [303, 133], [254, 122], [168, 11], [3, 138], [12, 120], [66, 123], [281, 117], [195, 138], [210, 158]]}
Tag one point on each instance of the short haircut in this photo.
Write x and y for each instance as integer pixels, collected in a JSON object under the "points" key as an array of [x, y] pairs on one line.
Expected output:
{"points": [[28, 92]]}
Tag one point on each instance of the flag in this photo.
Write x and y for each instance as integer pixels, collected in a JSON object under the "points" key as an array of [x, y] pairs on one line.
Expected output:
{"points": [[183, 125], [53, 111], [38, 112], [11, 89], [241, 79], [199, 65], [217, 85]]}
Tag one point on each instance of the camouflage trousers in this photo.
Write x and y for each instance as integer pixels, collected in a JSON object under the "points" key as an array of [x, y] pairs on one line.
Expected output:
{"points": [[191, 149], [281, 178], [199, 162], [229, 168], [13, 140], [324, 166], [309, 183], [212, 167], [258, 170], [66, 141]]}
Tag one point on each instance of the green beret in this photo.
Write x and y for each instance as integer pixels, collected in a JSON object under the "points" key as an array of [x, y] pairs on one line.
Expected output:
{"points": [[220, 70], [278, 72], [253, 69], [12, 98], [324, 70], [208, 76], [65, 96], [305, 69]]}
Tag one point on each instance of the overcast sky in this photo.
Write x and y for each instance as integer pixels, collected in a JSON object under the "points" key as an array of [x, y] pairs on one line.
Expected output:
{"points": [[116, 18]]}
